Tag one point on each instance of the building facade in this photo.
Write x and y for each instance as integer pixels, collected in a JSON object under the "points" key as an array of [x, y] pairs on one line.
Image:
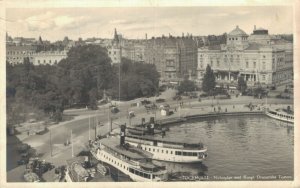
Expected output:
{"points": [[48, 57], [16, 54], [114, 50], [257, 58], [175, 58]]}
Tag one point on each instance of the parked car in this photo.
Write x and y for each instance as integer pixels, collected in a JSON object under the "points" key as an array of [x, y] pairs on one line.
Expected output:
{"points": [[144, 102], [115, 110], [131, 114], [160, 100], [203, 95], [177, 97]]}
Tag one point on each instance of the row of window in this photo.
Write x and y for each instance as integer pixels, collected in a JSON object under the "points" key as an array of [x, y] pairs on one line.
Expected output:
{"points": [[171, 152], [232, 38], [39, 61], [17, 57], [142, 174], [282, 115], [114, 52], [19, 52], [113, 161]]}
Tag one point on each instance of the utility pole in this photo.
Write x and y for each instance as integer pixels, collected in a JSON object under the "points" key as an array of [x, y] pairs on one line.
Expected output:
{"points": [[89, 127], [96, 131], [72, 144], [50, 143]]}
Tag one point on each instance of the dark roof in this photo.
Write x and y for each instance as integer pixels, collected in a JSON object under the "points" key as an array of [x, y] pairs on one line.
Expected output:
{"points": [[21, 48], [254, 46], [214, 47]]}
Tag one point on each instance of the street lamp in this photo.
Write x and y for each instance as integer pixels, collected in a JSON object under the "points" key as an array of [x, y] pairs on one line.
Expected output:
{"points": [[99, 124]]}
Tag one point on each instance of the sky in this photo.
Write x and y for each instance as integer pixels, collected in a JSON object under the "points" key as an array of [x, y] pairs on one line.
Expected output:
{"points": [[56, 23]]}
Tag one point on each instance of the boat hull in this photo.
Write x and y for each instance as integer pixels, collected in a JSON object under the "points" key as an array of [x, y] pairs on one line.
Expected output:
{"points": [[120, 165], [279, 118], [168, 154]]}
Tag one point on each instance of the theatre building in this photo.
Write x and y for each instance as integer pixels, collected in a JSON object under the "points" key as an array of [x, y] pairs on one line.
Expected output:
{"points": [[260, 58]]}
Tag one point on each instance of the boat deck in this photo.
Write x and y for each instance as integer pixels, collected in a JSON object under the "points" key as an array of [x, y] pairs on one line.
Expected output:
{"points": [[131, 152]]}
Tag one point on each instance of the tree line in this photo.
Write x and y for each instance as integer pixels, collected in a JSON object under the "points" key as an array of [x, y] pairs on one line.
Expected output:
{"points": [[80, 79]]}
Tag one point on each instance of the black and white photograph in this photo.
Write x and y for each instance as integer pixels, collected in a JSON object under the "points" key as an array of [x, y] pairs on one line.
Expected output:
{"points": [[154, 93]]}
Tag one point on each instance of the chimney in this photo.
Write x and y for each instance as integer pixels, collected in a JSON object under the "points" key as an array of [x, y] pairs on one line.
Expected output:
{"points": [[122, 135], [254, 27], [146, 36], [182, 34]]}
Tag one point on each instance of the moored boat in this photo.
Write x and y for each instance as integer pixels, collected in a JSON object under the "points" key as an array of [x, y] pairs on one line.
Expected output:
{"points": [[165, 149], [130, 160], [280, 114]]}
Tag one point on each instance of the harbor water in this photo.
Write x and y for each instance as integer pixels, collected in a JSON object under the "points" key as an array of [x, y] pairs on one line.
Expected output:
{"points": [[239, 148]]}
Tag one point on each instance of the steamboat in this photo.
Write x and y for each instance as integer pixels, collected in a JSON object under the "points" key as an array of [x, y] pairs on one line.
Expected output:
{"points": [[130, 160], [163, 149]]}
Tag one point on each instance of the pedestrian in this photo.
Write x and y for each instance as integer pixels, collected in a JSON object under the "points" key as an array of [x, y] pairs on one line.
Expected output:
{"points": [[225, 109], [214, 109]]}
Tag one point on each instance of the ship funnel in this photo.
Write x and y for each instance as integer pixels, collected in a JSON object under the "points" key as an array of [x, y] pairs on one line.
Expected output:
{"points": [[122, 135], [152, 123]]}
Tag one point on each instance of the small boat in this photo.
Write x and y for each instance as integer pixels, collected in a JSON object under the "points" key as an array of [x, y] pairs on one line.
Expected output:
{"points": [[280, 114]]}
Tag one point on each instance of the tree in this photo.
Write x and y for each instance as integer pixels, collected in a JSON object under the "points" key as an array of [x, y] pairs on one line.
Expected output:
{"points": [[186, 86], [136, 80], [242, 84], [209, 81]]}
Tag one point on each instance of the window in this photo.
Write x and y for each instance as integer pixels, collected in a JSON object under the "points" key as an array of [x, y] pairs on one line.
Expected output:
{"points": [[264, 77], [177, 152], [254, 64], [115, 52], [264, 65], [39, 61], [166, 151], [171, 152], [235, 38], [247, 64], [218, 63], [264, 56], [162, 151]]}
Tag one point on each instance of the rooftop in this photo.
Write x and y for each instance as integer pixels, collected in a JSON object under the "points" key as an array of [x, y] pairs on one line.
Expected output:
{"points": [[237, 32], [253, 46]]}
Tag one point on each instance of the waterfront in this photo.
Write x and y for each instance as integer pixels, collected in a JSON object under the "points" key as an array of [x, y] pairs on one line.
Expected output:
{"points": [[253, 147]]}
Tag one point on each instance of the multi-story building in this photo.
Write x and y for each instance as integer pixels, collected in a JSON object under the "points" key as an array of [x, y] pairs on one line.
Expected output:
{"points": [[48, 57], [115, 50], [175, 58], [258, 58], [16, 54]]}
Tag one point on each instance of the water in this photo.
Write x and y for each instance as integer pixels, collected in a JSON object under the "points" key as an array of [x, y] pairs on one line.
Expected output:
{"points": [[255, 147]]}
